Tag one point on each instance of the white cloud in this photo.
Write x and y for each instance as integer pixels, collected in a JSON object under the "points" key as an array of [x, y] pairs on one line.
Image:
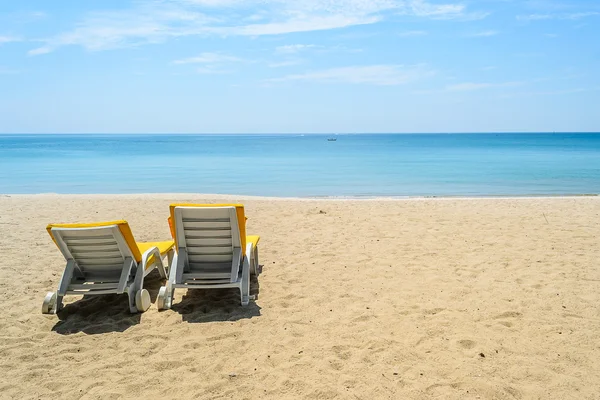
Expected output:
{"points": [[208, 58], [380, 75], [212, 70], [9, 39], [155, 21], [472, 86], [568, 16], [422, 8], [294, 48], [485, 34], [412, 33], [286, 63]]}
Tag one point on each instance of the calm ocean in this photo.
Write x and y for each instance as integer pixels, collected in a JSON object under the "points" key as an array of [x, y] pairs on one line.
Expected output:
{"points": [[303, 165]]}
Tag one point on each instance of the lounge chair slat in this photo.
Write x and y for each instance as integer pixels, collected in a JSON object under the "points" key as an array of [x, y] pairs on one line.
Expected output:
{"points": [[84, 234], [207, 225], [81, 255], [94, 286], [91, 242], [199, 236], [206, 275], [199, 250], [83, 261], [207, 219], [209, 258], [207, 242]]}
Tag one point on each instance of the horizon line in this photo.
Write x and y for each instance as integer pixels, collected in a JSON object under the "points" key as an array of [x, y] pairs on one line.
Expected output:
{"points": [[295, 133]]}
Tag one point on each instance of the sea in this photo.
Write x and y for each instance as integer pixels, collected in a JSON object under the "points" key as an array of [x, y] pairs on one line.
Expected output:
{"points": [[310, 165]]}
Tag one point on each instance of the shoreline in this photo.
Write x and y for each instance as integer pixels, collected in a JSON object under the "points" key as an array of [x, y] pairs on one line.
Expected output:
{"points": [[307, 198]]}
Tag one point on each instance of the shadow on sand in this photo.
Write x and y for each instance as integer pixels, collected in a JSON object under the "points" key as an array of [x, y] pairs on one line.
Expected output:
{"points": [[101, 314], [217, 305]]}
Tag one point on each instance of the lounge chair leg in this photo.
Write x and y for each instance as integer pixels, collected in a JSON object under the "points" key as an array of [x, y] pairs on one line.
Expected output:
{"points": [[161, 270], [59, 304], [170, 256], [131, 295], [245, 288], [256, 263]]}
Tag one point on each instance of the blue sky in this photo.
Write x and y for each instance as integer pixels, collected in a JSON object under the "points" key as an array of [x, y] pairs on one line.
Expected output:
{"points": [[277, 66]]}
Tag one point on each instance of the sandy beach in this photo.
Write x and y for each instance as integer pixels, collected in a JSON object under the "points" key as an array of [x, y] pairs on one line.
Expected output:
{"points": [[358, 299]]}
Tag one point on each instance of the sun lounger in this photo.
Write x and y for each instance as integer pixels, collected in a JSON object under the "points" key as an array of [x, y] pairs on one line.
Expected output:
{"points": [[104, 258], [212, 250]]}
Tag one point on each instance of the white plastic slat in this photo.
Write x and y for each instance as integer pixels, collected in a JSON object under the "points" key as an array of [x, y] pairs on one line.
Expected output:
{"points": [[99, 261], [219, 250], [194, 213], [79, 255], [94, 247], [200, 258], [206, 276], [203, 242], [73, 234], [192, 226], [210, 242], [91, 241], [94, 286], [211, 234]]}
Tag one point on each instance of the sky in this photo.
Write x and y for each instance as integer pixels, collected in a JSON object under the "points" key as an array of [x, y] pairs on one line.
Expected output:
{"points": [[299, 66]]}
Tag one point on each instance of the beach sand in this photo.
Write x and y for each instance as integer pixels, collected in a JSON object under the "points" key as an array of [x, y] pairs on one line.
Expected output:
{"points": [[358, 299]]}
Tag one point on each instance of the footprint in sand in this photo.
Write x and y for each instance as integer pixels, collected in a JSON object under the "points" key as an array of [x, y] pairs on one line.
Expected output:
{"points": [[467, 344], [508, 314]]}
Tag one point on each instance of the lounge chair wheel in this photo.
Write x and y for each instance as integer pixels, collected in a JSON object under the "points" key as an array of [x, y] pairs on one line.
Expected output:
{"points": [[142, 300], [163, 301], [49, 303]]}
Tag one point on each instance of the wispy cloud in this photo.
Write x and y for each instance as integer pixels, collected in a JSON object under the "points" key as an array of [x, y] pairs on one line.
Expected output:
{"points": [[412, 33], [294, 48], [211, 63], [472, 86], [9, 39], [209, 58], [286, 63], [422, 8], [484, 34], [380, 75], [212, 70], [563, 16], [554, 92], [155, 21]]}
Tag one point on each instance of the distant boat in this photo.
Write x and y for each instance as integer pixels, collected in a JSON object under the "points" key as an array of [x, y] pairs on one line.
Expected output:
{"points": [[331, 139]]}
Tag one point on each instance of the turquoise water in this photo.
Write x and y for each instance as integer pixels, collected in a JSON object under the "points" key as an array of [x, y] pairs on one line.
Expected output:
{"points": [[303, 165]]}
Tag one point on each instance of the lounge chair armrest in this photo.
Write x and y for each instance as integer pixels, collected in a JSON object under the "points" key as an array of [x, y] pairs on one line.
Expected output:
{"points": [[139, 274], [151, 251]]}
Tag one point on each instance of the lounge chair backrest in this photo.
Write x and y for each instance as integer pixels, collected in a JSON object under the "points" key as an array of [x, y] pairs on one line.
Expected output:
{"points": [[239, 209], [98, 250], [209, 240]]}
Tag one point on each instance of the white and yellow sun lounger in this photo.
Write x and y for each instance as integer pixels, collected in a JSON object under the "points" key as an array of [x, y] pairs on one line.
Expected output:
{"points": [[213, 250], [104, 258]]}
